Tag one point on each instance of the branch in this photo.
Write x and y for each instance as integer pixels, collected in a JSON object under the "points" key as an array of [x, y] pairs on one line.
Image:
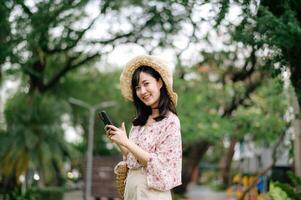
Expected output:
{"points": [[80, 35], [112, 39], [274, 157], [191, 37], [24, 7], [87, 59], [68, 67], [236, 101], [244, 73], [136, 30]]}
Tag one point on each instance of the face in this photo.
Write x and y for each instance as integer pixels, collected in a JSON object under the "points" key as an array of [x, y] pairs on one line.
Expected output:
{"points": [[148, 89]]}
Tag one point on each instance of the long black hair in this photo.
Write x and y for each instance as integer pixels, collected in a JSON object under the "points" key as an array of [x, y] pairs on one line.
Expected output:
{"points": [[143, 111]]}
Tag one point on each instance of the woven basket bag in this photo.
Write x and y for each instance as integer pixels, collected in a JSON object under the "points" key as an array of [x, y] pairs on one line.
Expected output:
{"points": [[121, 171]]}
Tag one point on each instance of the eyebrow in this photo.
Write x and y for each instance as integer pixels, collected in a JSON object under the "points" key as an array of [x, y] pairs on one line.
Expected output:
{"points": [[144, 80]]}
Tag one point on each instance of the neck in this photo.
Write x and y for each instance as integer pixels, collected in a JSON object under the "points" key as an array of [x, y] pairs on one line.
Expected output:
{"points": [[155, 112]]}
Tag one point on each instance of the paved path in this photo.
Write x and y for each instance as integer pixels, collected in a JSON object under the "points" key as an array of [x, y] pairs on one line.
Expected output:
{"points": [[196, 192]]}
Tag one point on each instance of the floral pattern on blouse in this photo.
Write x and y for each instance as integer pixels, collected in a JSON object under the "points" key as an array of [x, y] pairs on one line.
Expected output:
{"points": [[162, 140]]}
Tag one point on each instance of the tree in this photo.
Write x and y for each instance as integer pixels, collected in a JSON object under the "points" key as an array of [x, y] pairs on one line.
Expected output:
{"points": [[5, 45], [275, 27], [93, 87], [49, 38], [34, 140], [44, 41], [262, 31], [212, 98]]}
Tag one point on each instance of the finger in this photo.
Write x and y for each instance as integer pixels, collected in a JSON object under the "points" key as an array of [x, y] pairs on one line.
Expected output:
{"points": [[123, 126], [108, 132], [112, 127], [109, 135], [113, 139], [112, 132], [107, 127]]}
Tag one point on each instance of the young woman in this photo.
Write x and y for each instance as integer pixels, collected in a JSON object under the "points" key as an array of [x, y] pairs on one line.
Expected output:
{"points": [[153, 151]]}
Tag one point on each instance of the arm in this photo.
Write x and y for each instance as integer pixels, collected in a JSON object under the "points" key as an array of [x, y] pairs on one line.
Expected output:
{"points": [[141, 155], [123, 150]]}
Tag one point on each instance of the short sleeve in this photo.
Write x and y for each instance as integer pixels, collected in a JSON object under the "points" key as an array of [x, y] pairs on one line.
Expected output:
{"points": [[164, 168]]}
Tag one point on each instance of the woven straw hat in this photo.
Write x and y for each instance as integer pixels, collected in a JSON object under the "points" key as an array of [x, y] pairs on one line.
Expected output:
{"points": [[150, 61]]}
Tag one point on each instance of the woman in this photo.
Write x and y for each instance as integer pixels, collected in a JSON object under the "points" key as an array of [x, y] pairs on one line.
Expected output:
{"points": [[153, 151]]}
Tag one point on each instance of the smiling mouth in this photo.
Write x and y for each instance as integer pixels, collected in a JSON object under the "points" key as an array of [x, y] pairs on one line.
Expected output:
{"points": [[146, 97]]}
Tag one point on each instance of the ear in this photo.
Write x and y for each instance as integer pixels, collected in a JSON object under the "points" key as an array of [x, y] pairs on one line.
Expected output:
{"points": [[160, 83]]}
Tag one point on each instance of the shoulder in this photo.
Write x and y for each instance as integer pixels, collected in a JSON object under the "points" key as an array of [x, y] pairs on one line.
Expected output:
{"points": [[172, 120]]}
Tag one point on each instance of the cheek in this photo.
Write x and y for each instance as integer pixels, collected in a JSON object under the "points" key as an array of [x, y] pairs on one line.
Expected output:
{"points": [[157, 91], [138, 94]]}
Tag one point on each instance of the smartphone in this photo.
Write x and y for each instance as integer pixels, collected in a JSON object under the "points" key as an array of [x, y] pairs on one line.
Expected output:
{"points": [[105, 118]]}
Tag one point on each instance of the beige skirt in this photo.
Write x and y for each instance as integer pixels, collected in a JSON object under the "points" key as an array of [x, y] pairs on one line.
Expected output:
{"points": [[136, 187]]}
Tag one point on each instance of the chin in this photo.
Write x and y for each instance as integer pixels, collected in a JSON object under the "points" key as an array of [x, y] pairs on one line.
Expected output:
{"points": [[149, 103]]}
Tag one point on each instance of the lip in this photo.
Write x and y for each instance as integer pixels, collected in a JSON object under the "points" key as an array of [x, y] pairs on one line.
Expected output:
{"points": [[146, 97]]}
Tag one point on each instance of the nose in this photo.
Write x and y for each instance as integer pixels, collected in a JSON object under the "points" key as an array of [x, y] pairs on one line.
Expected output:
{"points": [[142, 90]]}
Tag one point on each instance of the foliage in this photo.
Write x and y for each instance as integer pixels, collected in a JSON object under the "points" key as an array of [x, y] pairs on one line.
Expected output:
{"points": [[52, 51], [49, 193], [202, 103], [220, 101], [94, 87], [4, 34], [51, 38], [48, 40], [199, 104], [28, 195], [277, 193], [274, 26], [34, 137], [285, 191], [264, 119]]}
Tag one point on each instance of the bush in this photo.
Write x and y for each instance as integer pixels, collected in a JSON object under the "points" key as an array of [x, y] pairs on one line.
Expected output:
{"points": [[17, 194], [284, 191], [49, 193]]}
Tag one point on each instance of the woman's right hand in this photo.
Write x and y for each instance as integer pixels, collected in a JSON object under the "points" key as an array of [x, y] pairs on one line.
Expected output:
{"points": [[117, 135]]}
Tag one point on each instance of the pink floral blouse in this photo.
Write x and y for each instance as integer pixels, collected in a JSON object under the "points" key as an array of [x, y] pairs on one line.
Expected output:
{"points": [[162, 140]]}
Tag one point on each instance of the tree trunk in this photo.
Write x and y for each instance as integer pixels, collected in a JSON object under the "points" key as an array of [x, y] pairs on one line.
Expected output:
{"points": [[36, 78], [297, 131], [195, 175], [297, 147], [295, 77], [196, 152], [1, 100], [227, 161]]}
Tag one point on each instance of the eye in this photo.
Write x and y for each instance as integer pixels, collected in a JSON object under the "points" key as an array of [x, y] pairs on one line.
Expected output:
{"points": [[137, 88]]}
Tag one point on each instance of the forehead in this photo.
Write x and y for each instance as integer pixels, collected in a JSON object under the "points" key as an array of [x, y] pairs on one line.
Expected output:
{"points": [[145, 77]]}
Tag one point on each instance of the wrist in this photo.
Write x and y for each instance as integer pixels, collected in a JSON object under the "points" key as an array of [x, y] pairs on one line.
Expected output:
{"points": [[127, 143]]}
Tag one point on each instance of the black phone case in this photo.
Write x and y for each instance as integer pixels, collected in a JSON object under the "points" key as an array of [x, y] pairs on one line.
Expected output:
{"points": [[105, 118]]}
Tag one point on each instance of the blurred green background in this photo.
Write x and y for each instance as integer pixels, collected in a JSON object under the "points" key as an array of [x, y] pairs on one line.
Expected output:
{"points": [[236, 69]]}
